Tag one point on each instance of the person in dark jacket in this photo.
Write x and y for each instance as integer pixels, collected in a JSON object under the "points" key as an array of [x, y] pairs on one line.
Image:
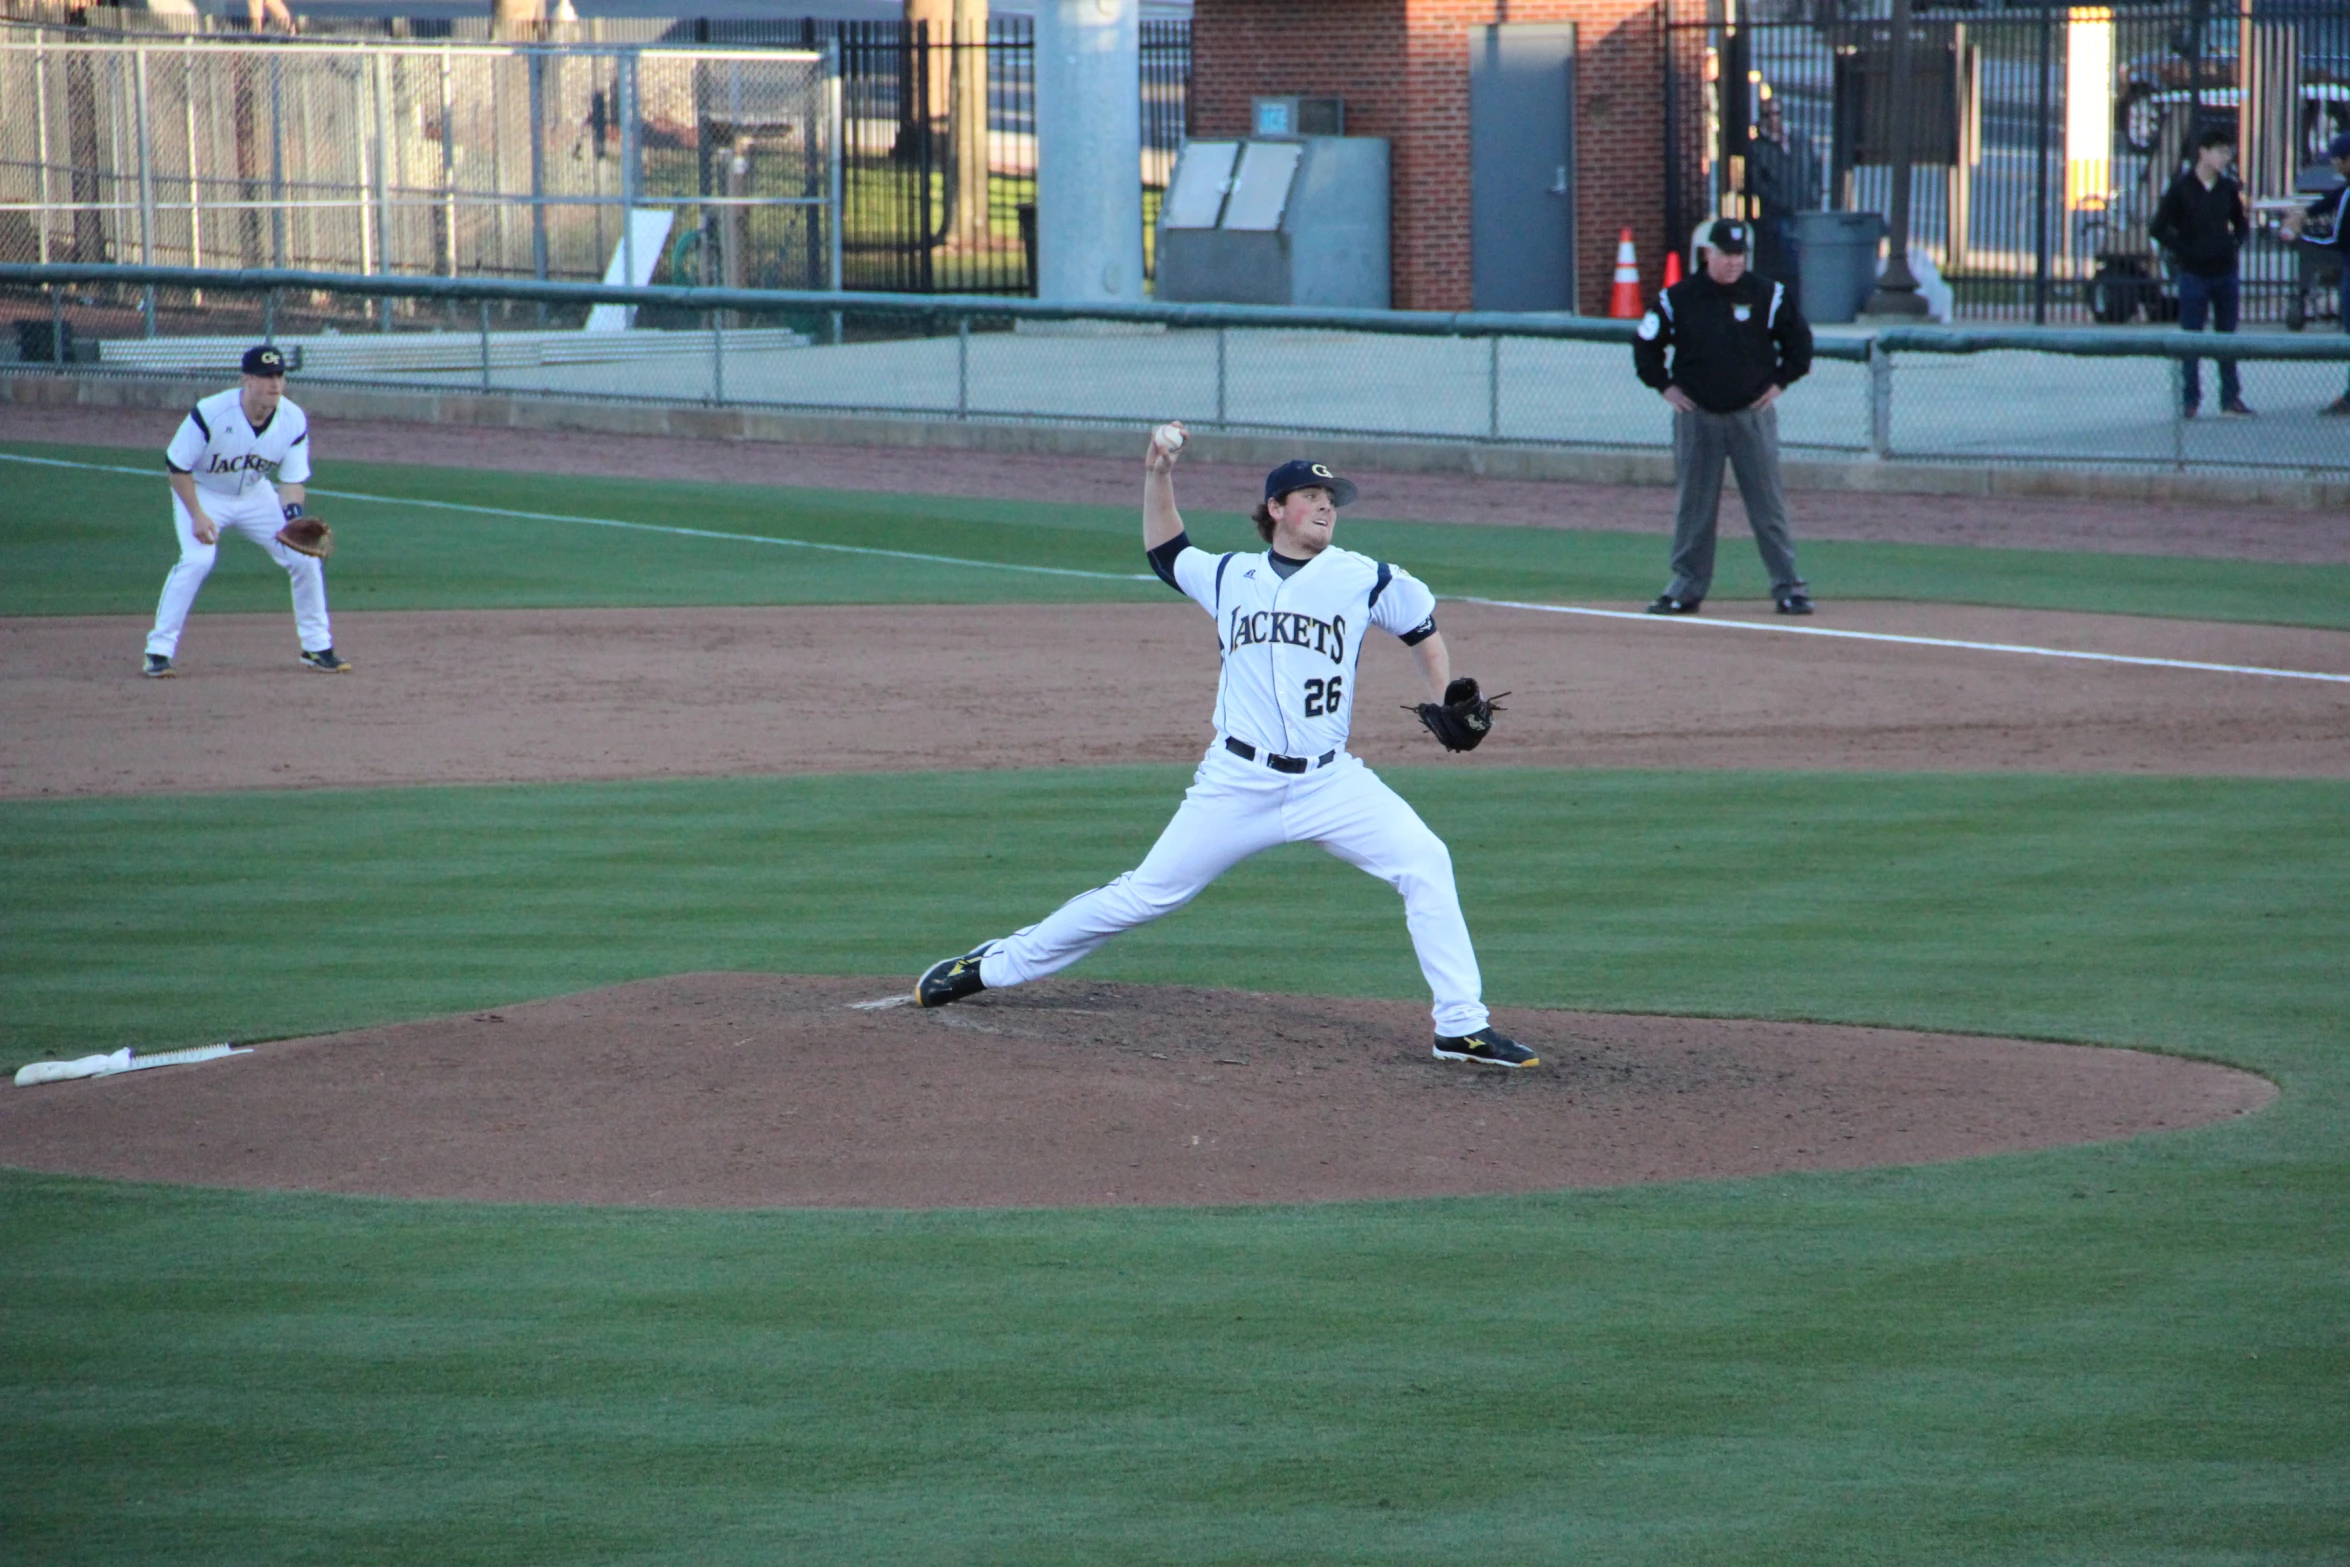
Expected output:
{"points": [[2200, 221], [1783, 175], [2336, 205], [1737, 341]]}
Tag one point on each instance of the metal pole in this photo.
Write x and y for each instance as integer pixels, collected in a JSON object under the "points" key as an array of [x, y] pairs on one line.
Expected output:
{"points": [[1880, 402], [277, 164], [195, 160], [717, 320], [832, 172], [962, 367], [485, 345], [366, 182], [1222, 419], [383, 172], [41, 140], [2040, 255], [1897, 291], [448, 172], [538, 171], [2178, 414], [626, 91], [146, 186], [1493, 388], [56, 327], [269, 316]]}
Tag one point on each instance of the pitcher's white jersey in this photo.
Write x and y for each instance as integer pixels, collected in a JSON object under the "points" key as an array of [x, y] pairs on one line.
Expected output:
{"points": [[218, 445], [1290, 643]]}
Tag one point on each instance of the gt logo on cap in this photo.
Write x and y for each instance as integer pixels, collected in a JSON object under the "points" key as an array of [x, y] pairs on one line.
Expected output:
{"points": [[265, 360]]}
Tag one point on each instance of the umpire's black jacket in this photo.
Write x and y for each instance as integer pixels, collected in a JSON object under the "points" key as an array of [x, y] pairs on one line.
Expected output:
{"points": [[1728, 343]]}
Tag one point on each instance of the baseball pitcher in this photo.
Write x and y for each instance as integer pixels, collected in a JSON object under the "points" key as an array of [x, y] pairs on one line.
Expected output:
{"points": [[1291, 622]]}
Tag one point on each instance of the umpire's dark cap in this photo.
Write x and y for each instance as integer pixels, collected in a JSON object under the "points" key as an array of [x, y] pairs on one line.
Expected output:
{"points": [[1728, 237], [268, 359], [1299, 474], [2339, 147]]}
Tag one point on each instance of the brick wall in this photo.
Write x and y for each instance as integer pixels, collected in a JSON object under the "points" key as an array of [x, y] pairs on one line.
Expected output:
{"points": [[1403, 68]]}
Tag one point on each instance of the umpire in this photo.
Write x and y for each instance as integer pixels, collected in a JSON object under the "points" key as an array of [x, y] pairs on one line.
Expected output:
{"points": [[1737, 342]]}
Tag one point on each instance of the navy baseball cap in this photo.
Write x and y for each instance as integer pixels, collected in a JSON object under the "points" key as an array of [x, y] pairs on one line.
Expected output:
{"points": [[1299, 474], [1728, 237], [2339, 147], [268, 359]]}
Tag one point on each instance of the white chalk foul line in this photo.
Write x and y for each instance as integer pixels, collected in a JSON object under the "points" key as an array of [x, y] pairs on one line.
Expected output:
{"points": [[1888, 636], [645, 527]]}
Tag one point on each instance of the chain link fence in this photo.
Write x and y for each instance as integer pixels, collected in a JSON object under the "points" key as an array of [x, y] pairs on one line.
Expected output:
{"points": [[513, 161], [2072, 399]]}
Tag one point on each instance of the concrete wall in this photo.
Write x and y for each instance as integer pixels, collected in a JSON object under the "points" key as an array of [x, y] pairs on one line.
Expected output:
{"points": [[689, 421]]}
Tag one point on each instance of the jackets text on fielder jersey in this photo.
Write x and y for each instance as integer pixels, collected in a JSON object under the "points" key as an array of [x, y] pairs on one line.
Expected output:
{"points": [[219, 446], [1291, 643]]}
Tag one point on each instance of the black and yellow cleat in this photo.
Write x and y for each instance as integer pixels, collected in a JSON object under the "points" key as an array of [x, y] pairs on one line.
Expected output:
{"points": [[952, 979], [326, 660], [1486, 1046]]}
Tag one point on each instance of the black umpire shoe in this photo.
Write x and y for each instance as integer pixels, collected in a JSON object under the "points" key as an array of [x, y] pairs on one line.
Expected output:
{"points": [[1488, 1047], [1794, 604], [952, 979], [1666, 604]]}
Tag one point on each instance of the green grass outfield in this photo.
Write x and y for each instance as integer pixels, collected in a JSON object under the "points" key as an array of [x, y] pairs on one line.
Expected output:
{"points": [[93, 541], [2125, 1353], [2129, 1353]]}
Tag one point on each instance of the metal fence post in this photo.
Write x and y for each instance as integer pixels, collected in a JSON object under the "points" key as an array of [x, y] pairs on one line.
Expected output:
{"points": [[835, 128], [717, 324], [56, 327], [146, 186], [485, 345], [630, 176], [962, 367], [2178, 414], [1222, 419], [269, 316], [1880, 402], [1493, 387]]}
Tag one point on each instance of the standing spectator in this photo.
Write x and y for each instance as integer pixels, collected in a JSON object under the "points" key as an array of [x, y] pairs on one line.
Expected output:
{"points": [[1783, 176], [2200, 221], [1737, 342], [262, 15], [2337, 240]]}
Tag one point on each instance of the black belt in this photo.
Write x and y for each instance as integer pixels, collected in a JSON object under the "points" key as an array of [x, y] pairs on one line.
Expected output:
{"points": [[1279, 764]]}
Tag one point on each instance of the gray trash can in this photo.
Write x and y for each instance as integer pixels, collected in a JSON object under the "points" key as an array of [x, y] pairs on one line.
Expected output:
{"points": [[1839, 251]]}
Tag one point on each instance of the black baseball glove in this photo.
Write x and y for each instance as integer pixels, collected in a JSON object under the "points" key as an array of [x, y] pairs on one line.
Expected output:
{"points": [[1463, 719]]}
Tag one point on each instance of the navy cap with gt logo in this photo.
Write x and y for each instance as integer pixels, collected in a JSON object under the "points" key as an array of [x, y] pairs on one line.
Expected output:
{"points": [[1299, 474], [268, 359]]}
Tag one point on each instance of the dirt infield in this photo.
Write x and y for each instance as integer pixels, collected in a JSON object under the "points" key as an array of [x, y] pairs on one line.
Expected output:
{"points": [[522, 696], [745, 1090]]}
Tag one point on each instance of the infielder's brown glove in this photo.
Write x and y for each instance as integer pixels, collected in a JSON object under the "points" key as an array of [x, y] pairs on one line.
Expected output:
{"points": [[1463, 719], [307, 535]]}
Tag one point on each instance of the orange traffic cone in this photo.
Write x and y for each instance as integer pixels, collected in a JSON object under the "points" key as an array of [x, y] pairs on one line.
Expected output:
{"points": [[1624, 304], [1672, 267]]}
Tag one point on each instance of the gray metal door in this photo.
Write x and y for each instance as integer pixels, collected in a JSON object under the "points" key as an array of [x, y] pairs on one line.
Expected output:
{"points": [[1522, 166]]}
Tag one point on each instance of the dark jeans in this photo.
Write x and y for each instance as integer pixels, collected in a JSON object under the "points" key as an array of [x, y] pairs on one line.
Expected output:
{"points": [[2219, 297]]}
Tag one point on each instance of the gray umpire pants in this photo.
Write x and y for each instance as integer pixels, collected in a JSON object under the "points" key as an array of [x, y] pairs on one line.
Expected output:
{"points": [[1750, 442]]}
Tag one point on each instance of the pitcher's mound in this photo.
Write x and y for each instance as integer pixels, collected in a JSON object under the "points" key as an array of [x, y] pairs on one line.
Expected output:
{"points": [[753, 1090]]}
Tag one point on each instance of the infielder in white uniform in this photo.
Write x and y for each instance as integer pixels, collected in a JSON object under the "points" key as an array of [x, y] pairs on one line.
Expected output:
{"points": [[1291, 623], [220, 464]]}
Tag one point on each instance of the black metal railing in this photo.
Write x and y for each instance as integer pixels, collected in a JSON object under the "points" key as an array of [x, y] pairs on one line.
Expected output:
{"points": [[2045, 135]]}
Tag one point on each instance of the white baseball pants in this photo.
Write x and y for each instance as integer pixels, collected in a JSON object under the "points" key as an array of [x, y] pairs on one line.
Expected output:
{"points": [[257, 514], [1234, 809]]}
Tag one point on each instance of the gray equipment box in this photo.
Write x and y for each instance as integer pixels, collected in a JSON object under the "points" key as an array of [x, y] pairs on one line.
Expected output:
{"points": [[1283, 222]]}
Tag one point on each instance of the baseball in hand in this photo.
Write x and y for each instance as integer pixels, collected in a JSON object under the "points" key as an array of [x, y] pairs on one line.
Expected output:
{"points": [[1169, 437]]}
